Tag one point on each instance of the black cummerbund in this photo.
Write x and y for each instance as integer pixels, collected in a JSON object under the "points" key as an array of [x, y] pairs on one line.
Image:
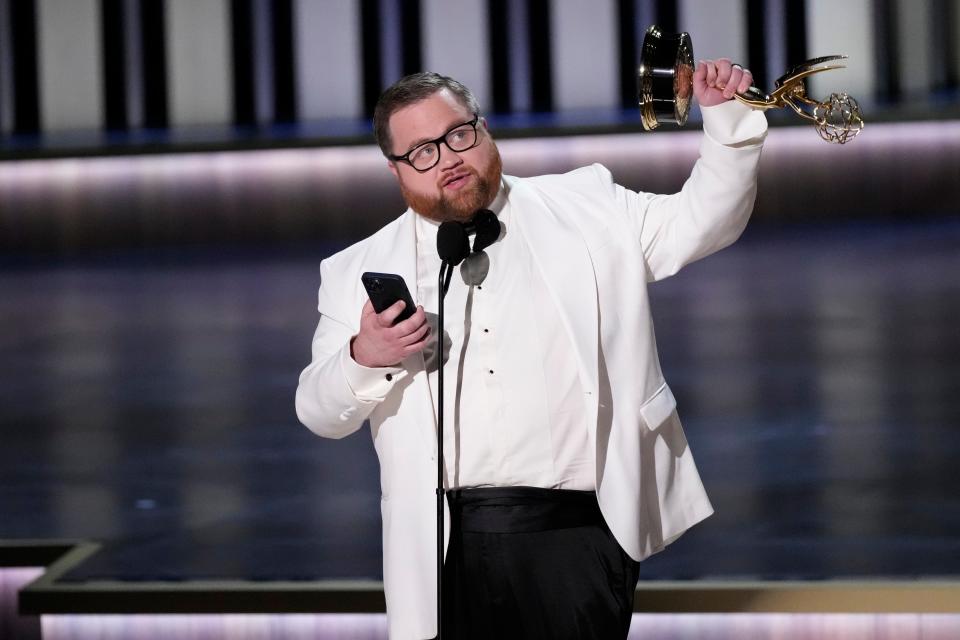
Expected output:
{"points": [[522, 509]]}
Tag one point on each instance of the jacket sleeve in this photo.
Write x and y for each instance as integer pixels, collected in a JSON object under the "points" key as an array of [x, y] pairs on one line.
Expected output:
{"points": [[335, 394], [712, 208]]}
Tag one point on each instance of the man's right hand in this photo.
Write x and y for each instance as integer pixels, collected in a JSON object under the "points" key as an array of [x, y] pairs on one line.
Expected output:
{"points": [[380, 343]]}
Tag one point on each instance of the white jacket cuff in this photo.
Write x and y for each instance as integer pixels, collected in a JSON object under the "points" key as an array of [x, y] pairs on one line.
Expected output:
{"points": [[366, 383], [734, 124]]}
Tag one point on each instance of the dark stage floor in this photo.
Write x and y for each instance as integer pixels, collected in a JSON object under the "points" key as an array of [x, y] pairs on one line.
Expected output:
{"points": [[147, 403]]}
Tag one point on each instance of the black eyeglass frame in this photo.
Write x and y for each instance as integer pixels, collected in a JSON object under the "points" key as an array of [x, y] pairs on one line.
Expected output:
{"points": [[436, 141]]}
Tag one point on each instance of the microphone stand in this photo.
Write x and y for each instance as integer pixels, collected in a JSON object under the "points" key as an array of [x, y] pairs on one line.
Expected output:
{"points": [[446, 270], [453, 245]]}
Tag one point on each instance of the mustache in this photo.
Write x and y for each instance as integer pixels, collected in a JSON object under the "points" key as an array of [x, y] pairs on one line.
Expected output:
{"points": [[443, 180]]}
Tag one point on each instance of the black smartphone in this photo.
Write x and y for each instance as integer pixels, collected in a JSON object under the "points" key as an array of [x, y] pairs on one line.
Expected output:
{"points": [[385, 289]]}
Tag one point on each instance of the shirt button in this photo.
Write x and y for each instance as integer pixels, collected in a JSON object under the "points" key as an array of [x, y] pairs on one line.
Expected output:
{"points": [[486, 330], [389, 377], [491, 371]]}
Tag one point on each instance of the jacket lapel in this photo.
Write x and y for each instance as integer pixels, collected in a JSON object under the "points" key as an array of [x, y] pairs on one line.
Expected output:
{"points": [[399, 254], [559, 250]]}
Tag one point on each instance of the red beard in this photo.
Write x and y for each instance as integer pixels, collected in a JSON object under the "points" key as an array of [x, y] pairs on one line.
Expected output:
{"points": [[459, 205]]}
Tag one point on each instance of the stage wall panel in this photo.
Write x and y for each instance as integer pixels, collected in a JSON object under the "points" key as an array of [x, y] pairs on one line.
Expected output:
{"points": [[70, 64], [585, 66], [718, 30], [914, 38], [198, 62], [845, 28], [329, 75], [455, 43]]}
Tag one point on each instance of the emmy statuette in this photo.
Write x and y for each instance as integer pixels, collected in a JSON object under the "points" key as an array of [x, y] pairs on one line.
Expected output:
{"points": [[665, 88]]}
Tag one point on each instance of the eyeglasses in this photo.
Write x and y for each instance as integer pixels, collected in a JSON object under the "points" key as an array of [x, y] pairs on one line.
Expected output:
{"points": [[425, 156]]}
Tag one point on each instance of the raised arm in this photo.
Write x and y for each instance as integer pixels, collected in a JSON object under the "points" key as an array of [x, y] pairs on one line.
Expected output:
{"points": [[712, 208]]}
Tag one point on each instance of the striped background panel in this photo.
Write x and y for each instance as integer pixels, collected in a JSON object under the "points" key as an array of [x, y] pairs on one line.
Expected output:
{"points": [[128, 64]]}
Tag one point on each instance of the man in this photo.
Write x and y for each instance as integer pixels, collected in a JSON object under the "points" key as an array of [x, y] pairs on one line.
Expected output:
{"points": [[565, 460]]}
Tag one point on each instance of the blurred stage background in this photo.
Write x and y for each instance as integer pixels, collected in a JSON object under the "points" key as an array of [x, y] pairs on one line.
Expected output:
{"points": [[173, 171]]}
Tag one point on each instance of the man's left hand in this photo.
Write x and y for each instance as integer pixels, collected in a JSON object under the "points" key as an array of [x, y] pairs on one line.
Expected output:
{"points": [[715, 81]]}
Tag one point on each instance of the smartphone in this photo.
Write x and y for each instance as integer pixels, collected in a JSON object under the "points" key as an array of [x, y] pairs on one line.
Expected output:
{"points": [[385, 289]]}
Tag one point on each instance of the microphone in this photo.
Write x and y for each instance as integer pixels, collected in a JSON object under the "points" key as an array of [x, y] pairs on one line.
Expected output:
{"points": [[453, 243], [453, 238], [487, 227]]}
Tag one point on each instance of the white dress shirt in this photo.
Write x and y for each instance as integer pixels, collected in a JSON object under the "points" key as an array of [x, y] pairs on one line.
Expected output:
{"points": [[514, 409]]}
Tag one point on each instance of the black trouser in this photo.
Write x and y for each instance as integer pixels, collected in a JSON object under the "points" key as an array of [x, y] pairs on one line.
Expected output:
{"points": [[525, 563]]}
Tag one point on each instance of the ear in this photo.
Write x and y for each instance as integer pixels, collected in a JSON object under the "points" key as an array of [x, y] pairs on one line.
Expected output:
{"points": [[483, 121], [393, 169]]}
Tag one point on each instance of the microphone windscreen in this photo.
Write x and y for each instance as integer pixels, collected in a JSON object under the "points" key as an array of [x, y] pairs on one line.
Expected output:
{"points": [[488, 229], [453, 245]]}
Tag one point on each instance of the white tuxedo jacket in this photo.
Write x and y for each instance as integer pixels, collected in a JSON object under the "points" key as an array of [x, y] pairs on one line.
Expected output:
{"points": [[597, 245]]}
